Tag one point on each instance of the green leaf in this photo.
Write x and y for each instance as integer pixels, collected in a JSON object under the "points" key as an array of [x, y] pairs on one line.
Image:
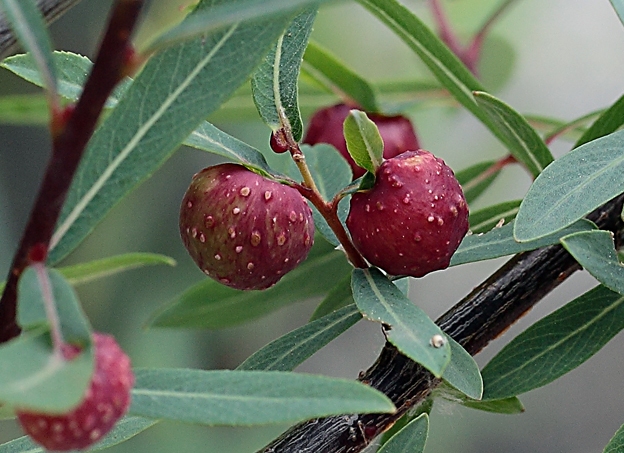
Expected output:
{"points": [[500, 242], [616, 444], [595, 251], [30, 28], [24, 109], [211, 305], [32, 376], [555, 345], [292, 349], [569, 129], [462, 372], [608, 122], [326, 69], [274, 83], [183, 85], [519, 137], [476, 179], [331, 173], [510, 406], [41, 289], [245, 398], [618, 5], [406, 326], [411, 439], [125, 429], [571, 187], [227, 14], [339, 296], [485, 219], [86, 272], [364, 143], [208, 138], [442, 62], [72, 72]]}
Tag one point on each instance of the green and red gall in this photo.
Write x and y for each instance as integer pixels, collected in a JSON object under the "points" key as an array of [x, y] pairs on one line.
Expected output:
{"points": [[242, 229]]}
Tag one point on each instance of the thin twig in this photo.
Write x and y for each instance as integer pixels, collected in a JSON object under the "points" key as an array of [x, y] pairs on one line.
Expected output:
{"points": [[70, 137]]}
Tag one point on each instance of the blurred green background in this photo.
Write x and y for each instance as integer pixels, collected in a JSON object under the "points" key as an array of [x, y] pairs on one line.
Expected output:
{"points": [[560, 58]]}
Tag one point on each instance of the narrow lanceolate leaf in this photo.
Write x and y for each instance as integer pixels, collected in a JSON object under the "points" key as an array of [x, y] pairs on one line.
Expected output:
{"points": [[497, 215], [226, 14], [339, 296], [364, 143], [595, 251], [616, 444], [330, 72], [608, 122], [411, 439], [274, 84], [86, 272], [211, 305], [33, 376], [571, 187], [462, 372], [24, 109], [443, 63], [208, 138], [500, 242], [27, 23], [519, 137], [409, 328], [509, 406], [292, 349], [71, 69], [171, 96], [555, 345], [41, 290], [124, 429], [245, 398], [331, 173], [476, 179], [618, 5]]}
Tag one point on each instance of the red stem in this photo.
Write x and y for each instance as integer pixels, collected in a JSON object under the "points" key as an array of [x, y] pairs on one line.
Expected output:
{"points": [[69, 142]]}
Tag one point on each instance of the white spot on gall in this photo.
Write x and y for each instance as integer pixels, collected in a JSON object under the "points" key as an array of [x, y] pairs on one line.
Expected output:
{"points": [[202, 237], [236, 211], [430, 219], [292, 216], [239, 248], [255, 238], [281, 239], [217, 257], [189, 204], [267, 195], [194, 232], [245, 191], [440, 221], [250, 265], [209, 221]]}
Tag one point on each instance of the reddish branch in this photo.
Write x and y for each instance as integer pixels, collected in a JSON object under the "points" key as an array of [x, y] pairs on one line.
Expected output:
{"points": [[70, 137], [479, 318]]}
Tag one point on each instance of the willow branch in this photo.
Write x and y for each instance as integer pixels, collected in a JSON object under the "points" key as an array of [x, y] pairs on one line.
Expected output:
{"points": [[479, 318], [69, 141]]}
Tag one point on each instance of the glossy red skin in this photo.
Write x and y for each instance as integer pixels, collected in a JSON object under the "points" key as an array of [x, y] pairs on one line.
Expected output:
{"points": [[105, 402], [413, 219], [242, 229], [326, 126]]}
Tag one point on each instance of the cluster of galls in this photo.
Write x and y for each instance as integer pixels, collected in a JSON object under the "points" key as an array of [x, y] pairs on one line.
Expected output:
{"points": [[247, 231], [105, 401]]}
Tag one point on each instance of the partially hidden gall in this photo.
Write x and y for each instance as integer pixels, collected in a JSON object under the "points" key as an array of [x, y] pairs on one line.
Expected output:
{"points": [[242, 229], [414, 217], [326, 126]]}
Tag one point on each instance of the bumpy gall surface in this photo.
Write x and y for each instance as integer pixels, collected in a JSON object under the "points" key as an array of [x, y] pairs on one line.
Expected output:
{"points": [[413, 219], [326, 126], [242, 229], [106, 400]]}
